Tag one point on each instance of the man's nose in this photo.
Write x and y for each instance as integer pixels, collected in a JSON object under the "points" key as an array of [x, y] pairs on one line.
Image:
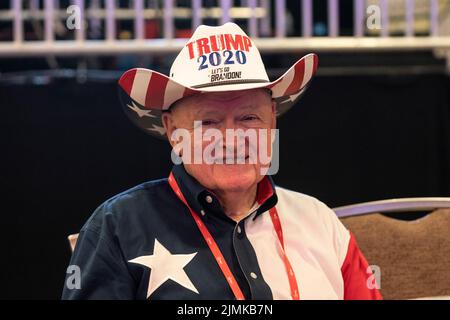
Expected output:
{"points": [[234, 142], [229, 123], [232, 123]]}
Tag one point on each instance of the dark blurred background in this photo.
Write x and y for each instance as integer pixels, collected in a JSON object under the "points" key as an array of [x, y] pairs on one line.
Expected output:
{"points": [[370, 127]]}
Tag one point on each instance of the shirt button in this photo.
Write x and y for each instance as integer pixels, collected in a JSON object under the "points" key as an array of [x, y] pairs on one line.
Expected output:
{"points": [[202, 212], [239, 229], [253, 275], [209, 199]]}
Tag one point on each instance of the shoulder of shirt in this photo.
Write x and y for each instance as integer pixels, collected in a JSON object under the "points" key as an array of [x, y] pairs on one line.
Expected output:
{"points": [[137, 191], [316, 215], [115, 205], [298, 199], [297, 196]]}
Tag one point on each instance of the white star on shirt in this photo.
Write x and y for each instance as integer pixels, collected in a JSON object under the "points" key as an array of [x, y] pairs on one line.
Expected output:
{"points": [[140, 112], [165, 266]]}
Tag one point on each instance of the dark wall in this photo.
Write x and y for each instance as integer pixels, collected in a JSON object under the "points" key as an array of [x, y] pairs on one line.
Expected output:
{"points": [[67, 147]]}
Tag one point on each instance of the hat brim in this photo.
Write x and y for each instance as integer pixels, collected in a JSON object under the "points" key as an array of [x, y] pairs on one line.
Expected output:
{"points": [[146, 93]]}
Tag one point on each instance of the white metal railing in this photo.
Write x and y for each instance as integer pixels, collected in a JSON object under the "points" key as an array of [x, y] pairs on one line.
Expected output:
{"points": [[56, 39]]}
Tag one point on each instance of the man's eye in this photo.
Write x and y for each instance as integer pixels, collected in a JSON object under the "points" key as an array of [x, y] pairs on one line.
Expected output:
{"points": [[208, 122], [249, 117]]}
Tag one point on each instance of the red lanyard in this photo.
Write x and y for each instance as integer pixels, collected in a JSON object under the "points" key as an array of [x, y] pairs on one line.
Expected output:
{"points": [[290, 272], [219, 256]]}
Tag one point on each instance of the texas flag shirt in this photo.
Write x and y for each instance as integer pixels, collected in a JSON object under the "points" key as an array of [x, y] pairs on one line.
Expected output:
{"points": [[144, 244]]}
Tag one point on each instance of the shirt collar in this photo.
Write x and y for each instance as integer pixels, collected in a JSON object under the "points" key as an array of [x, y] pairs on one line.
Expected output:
{"points": [[203, 201]]}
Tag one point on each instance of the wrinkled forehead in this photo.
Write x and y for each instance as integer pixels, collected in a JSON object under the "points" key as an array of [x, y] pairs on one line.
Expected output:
{"points": [[221, 100]]}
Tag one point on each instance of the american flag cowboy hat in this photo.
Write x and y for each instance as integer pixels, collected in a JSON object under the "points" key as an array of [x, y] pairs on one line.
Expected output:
{"points": [[219, 58]]}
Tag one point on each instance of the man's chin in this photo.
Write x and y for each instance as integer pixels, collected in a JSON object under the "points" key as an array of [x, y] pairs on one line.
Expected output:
{"points": [[235, 177]]}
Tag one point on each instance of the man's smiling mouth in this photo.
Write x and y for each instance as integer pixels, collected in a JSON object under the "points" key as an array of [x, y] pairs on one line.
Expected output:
{"points": [[235, 160]]}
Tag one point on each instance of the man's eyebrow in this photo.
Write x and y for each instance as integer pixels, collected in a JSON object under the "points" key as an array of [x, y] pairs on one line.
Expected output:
{"points": [[212, 112], [205, 113], [249, 107]]}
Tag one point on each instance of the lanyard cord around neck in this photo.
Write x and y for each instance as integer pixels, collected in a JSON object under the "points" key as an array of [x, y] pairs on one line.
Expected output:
{"points": [[219, 256]]}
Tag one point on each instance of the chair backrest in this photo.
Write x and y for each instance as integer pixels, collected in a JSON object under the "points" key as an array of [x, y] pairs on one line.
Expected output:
{"points": [[413, 256], [394, 205]]}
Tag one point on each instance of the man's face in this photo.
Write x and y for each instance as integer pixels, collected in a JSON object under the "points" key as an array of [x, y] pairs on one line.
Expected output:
{"points": [[248, 109]]}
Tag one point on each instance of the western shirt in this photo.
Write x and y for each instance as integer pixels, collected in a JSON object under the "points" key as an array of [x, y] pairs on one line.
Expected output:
{"points": [[144, 244]]}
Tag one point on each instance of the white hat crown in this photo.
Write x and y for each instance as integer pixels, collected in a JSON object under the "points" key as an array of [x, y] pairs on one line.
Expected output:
{"points": [[218, 55]]}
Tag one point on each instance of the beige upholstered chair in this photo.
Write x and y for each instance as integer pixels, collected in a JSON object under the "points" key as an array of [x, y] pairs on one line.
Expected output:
{"points": [[413, 256]]}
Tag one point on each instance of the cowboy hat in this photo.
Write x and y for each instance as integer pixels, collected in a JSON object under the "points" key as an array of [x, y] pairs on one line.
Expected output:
{"points": [[215, 59]]}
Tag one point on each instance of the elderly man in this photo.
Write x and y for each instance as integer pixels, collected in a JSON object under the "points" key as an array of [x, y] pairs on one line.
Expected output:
{"points": [[217, 228]]}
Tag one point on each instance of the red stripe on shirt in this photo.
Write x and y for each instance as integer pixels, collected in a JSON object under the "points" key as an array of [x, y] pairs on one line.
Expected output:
{"points": [[265, 190], [355, 276]]}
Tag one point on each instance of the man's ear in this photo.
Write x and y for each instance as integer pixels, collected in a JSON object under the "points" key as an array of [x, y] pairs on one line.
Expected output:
{"points": [[168, 123]]}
